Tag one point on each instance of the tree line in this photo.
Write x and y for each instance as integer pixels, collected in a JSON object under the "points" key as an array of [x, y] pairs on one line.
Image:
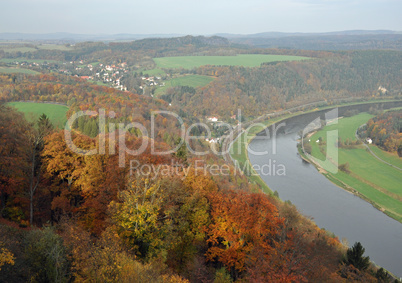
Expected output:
{"points": [[385, 130], [103, 223]]}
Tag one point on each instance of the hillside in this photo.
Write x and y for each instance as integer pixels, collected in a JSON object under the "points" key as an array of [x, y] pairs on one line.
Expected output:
{"points": [[283, 85], [135, 188], [328, 41]]}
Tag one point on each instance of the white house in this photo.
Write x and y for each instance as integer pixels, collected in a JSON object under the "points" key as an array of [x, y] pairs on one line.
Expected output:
{"points": [[382, 89], [369, 141]]}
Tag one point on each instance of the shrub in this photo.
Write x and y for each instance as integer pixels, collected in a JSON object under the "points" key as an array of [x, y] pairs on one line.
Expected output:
{"points": [[46, 255], [344, 167]]}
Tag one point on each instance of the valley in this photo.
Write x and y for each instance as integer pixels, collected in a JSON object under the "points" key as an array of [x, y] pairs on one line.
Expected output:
{"points": [[156, 174]]}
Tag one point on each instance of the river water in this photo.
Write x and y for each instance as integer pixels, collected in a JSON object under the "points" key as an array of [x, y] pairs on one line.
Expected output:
{"points": [[331, 207]]}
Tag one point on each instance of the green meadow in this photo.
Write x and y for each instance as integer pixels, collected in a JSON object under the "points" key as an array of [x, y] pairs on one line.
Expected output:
{"points": [[32, 110], [374, 180], [246, 60], [238, 152], [393, 159], [10, 70], [22, 49], [60, 47], [153, 72], [13, 60], [190, 80]]}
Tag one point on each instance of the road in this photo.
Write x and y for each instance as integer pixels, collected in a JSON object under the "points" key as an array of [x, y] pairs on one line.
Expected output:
{"points": [[239, 129], [369, 149]]}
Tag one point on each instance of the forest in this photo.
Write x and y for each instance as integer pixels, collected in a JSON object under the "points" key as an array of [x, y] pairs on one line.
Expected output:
{"points": [[326, 41], [327, 76], [72, 217], [101, 223], [284, 85], [385, 130]]}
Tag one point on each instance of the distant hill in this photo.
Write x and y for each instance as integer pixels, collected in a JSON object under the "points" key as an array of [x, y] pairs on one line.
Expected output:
{"points": [[274, 34], [338, 40], [127, 36], [343, 40], [125, 41], [176, 42], [73, 37]]}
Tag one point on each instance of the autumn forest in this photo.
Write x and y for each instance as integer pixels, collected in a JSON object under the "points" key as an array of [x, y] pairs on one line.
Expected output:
{"points": [[71, 217]]}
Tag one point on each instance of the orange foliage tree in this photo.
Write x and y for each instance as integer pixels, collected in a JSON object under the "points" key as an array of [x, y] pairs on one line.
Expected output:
{"points": [[242, 223]]}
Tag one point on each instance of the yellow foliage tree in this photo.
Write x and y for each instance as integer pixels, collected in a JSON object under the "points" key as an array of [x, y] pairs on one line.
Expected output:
{"points": [[6, 257], [136, 215]]}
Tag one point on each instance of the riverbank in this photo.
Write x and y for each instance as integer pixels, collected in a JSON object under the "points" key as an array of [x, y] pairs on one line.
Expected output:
{"points": [[332, 208], [238, 146], [363, 175]]}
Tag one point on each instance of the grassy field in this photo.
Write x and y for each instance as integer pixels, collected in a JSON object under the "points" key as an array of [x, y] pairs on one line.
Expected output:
{"points": [[55, 112], [238, 150], [153, 72], [373, 180], [61, 47], [22, 49], [346, 130], [39, 61], [239, 154], [9, 70], [94, 63], [246, 60], [394, 159], [190, 80]]}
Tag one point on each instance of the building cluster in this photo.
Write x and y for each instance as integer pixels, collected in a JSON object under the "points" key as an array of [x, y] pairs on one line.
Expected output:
{"points": [[110, 75], [382, 90], [107, 74], [151, 81], [212, 119], [213, 140]]}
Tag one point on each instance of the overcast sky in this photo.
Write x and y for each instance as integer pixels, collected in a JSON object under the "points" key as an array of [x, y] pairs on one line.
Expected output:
{"points": [[197, 16]]}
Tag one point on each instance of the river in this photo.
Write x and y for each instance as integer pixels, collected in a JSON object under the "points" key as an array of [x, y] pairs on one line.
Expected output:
{"points": [[331, 207]]}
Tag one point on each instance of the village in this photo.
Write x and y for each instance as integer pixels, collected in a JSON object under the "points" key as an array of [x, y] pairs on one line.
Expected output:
{"points": [[110, 75], [103, 74]]}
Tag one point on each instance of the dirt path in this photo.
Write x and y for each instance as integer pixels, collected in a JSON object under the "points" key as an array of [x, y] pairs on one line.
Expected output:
{"points": [[369, 149]]}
